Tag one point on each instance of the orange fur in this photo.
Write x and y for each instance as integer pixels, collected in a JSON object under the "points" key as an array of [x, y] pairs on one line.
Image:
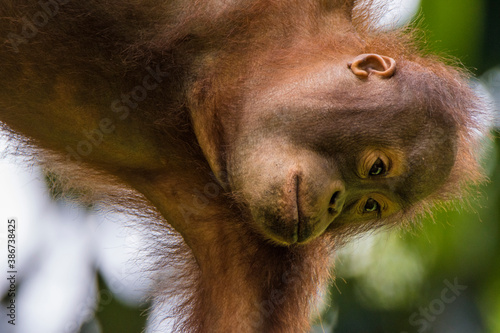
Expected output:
{"points": [[166, 159]]}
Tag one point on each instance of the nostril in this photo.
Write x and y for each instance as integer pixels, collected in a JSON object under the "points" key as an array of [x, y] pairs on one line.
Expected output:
{"points": [[336, 203], [334, 198]]}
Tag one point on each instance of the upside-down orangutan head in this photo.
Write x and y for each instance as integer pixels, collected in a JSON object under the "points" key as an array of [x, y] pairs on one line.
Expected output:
{"points": [[341, 142]]}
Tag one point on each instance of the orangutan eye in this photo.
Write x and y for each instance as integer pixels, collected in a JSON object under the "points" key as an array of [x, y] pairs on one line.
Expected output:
{"points": [[378, 168], [371, 206]]}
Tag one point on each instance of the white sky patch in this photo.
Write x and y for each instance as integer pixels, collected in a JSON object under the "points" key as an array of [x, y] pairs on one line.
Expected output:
{"points": [[398, 12], [59, 246], [491, 81]]}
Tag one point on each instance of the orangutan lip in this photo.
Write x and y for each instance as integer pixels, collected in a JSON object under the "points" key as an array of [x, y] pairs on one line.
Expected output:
{"points": [[297, 207]]}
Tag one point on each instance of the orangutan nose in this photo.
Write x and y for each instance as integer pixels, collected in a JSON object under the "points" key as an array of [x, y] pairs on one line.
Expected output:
{"points": [[336, 201]]}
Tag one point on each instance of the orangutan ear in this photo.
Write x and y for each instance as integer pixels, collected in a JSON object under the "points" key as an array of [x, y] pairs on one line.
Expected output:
{"points": [[367, 64], [208, 133]]}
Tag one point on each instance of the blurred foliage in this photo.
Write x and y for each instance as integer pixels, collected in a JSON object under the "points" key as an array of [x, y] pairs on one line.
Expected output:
{"points": [[456, 28], [400, 281], [114, 316]]}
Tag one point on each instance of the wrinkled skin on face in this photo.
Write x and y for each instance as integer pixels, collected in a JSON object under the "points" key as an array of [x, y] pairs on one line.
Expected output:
{"points": [[337, 144]]}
